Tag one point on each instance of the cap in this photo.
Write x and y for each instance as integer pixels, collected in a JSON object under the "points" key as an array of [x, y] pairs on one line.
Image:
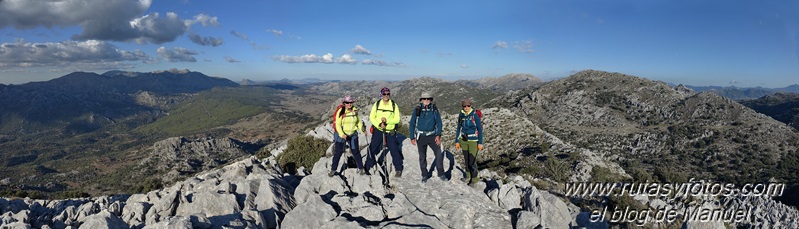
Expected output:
{"points": [[426, 95], [466, 102], [384, 91], [348, 99]]}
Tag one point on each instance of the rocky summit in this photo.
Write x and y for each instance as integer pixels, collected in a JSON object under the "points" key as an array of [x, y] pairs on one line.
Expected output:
{"points": [[254, 193]]}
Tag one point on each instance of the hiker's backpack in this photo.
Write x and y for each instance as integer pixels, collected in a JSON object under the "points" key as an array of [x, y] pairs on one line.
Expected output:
{"points": [[377, 107], [337, 113], [478, 113], [418, 109]]}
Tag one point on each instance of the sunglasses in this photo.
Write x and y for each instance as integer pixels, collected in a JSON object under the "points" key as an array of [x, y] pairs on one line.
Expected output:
{"points": [[467, 106], [387, 94], [347, 102], [426, 98]]}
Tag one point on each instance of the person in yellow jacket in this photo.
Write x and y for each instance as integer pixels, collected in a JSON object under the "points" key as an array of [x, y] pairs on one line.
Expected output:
{"points": [[385, 116], [347, 125]]}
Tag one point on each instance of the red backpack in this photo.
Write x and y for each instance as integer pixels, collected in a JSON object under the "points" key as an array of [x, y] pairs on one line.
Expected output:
{"points": [[336, 113]]}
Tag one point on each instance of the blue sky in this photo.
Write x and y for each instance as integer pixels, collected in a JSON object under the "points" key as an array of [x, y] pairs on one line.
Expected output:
{"points": [[741, 43]]}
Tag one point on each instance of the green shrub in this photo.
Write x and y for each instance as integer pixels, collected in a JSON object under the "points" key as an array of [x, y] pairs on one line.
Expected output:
{"points": [[302, 151], [556, 169], [602, 174], [640, 175]]}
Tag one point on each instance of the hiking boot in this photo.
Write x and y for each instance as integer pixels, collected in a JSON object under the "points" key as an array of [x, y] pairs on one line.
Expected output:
{"points": [[443, 178], [425, 178], [331, 174], [398, 174], [361, 171]]}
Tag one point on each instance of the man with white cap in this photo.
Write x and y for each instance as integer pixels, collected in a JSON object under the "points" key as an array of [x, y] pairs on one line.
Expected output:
{"points": [[425, 130]]}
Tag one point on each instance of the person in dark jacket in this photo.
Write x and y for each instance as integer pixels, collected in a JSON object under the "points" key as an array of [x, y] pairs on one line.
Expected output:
{"points": [[425, 130], [469, 137]]}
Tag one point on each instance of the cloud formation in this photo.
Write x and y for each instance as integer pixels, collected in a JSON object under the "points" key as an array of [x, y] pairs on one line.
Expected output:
{"points": [[91, 52], [177, 54], [499, 44], [203, 19], [313, 58], [238, 34], [382, 63], [523, 46], [231, 60], [275, 31], [360, 50], [205, 41], [107, 20]]}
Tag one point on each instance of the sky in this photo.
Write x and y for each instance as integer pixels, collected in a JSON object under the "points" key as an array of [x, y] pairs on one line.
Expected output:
{"points": [[742, 43]]}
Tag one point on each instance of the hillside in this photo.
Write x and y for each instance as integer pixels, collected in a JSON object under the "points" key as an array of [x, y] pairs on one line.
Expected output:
{"points": [[513, 81], [649, 126], [745, 93], [98, 128], [783, 107], [256, 193]]}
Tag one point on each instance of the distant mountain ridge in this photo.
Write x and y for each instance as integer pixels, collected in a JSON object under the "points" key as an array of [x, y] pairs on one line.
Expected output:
{"points": [[743, 93], [513, 81], [783, 107], [651, 124], [30, 106]]}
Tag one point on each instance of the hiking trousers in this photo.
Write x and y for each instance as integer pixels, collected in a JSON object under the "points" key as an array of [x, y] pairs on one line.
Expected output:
{"points": [[470, 159], [438, 162], [338, 149], [377, 145]]}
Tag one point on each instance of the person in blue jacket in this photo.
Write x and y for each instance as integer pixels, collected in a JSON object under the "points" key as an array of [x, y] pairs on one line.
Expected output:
{"points": [[425, 130], [469, 137]]}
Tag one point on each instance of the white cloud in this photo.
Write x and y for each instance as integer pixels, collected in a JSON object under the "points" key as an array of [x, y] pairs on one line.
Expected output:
{"points": [[205, 41], [231, 60], [464, 66], [383, 63], [275, 31], [177, 54], [523, 46], [107, 20], [93, 53], [360, 50], [313, 58], [499, 44], [203, 19], [238, 34]]}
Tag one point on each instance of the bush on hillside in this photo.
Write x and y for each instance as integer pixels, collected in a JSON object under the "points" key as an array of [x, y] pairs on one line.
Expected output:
{"points": [[302, 151]]}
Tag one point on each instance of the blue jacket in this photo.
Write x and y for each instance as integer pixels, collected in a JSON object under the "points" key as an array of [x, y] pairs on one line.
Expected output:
{"points": [[471, 125], [426, 122]]}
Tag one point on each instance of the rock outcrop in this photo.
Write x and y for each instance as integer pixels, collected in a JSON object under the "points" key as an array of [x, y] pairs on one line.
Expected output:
{"points": [[255, 193]]}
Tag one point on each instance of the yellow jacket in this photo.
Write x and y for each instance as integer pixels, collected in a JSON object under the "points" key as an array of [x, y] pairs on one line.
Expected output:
{"points": [[388, 110], [349, 123]]}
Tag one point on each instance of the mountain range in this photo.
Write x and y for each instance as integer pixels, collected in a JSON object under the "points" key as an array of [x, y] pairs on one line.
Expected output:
{"points": [[83, 133], [744, 93]]}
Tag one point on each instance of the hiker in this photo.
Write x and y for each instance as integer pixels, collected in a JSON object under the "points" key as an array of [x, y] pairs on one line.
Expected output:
{"points": [[385, 116], [425, 130], [346, 124], [469, 137]]}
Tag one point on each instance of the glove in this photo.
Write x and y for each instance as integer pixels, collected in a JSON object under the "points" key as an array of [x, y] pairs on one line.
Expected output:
{"points": [[480, 147], [457, 146]]}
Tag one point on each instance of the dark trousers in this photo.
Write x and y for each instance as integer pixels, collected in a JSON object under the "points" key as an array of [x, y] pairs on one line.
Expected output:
{"points": [[338, 150], [438, 162], [377, 145]]}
